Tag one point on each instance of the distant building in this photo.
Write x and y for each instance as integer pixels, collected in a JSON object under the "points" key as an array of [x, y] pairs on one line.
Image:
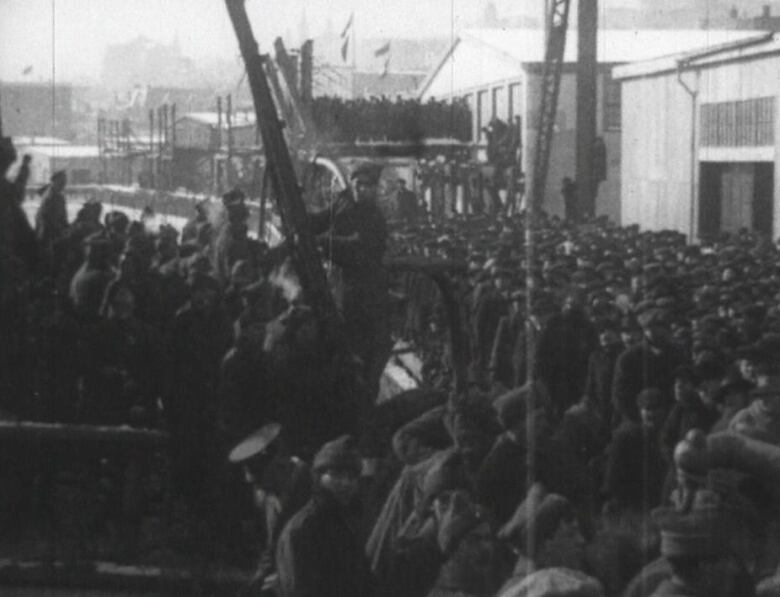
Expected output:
{"points": [[80, 162], [37, 109], [701, 140], [499, 72], [408, 61], [765, 22], [210, 156]]}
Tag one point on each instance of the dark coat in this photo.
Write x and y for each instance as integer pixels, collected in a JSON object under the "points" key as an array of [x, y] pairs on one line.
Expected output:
{"points": [[17, 237], [684, 416], [320, 553], [490, 308], [407, 206], [354, 237], [598, 387], [562, 353], [122, 368], [637, 368], [197, 342], [51, 221], [87, 289], [635, 467], [502, 363]]}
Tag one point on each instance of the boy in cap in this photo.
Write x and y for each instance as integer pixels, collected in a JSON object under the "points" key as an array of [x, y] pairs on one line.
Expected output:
{"points": [[320, 551]]}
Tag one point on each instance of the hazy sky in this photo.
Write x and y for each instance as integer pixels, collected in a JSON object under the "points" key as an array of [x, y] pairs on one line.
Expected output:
{"points": [[72, 34]]}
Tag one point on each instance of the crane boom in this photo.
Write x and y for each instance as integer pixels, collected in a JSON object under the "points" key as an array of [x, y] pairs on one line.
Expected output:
{"points": [[287, 191]]}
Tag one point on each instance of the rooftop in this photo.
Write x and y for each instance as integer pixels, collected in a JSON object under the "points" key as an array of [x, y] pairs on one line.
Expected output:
{"points": [[479, 57], [753, 46], [614, 45]]}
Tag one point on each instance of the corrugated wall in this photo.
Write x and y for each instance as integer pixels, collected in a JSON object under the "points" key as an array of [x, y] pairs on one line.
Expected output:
{"points": [[656, 154]]}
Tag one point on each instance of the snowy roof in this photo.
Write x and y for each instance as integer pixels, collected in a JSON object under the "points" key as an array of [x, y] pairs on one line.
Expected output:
{"points": [[25, 140], [212, 118], [479, 57], [64, 151], [614, 45], [753, 46]]}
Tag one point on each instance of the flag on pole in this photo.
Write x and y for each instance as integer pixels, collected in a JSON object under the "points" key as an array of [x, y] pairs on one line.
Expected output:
{"points": [[27, 70], [344, 49], [348, 26], [385, 68], [385, 49], [345, 37]]}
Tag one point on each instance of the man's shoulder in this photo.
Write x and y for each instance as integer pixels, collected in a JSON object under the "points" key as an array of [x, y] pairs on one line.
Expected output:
{"points": [[633, 353], [301, 524]]}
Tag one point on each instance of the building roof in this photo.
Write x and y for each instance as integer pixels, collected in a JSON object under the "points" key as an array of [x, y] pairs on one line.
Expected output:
{"points": [[479, 57], [758, 44], [212, 118], [64, 151]]}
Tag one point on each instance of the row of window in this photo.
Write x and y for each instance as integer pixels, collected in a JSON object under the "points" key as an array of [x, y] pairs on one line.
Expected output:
{"points": [[506, 102], [745, 123]]}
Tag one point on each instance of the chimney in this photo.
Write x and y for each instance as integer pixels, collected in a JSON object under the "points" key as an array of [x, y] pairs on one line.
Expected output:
{"points": [[767, 11]]}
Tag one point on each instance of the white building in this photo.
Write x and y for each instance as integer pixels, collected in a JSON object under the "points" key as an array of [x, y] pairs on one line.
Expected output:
{"points": [[498, 72], [80, 162], [701, 139]]}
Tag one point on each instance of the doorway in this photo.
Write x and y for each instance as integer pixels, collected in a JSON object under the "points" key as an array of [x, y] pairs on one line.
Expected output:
{"points": [[735, 195]]}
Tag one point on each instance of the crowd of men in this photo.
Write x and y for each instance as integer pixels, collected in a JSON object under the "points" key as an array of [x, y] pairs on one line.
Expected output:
{"points": [[382, 118], [616, 429]]}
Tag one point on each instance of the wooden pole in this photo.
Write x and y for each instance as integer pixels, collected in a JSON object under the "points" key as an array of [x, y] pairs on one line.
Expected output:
{"points": [[152, 176], [587, 74]]}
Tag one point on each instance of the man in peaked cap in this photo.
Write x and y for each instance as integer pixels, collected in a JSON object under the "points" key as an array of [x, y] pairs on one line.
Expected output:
{"points": [[281, 485], [353, 235], [319, 551]]}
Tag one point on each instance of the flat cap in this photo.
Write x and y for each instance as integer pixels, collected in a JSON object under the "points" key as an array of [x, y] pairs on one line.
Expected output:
{"points": [[370, 171], [341, 453]]}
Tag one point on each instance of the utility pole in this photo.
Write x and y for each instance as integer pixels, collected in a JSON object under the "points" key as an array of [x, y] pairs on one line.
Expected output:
{"points": [[159, 147], [174, 183], [587, 80], [152, 177], [229, 123], [217, 175]]}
